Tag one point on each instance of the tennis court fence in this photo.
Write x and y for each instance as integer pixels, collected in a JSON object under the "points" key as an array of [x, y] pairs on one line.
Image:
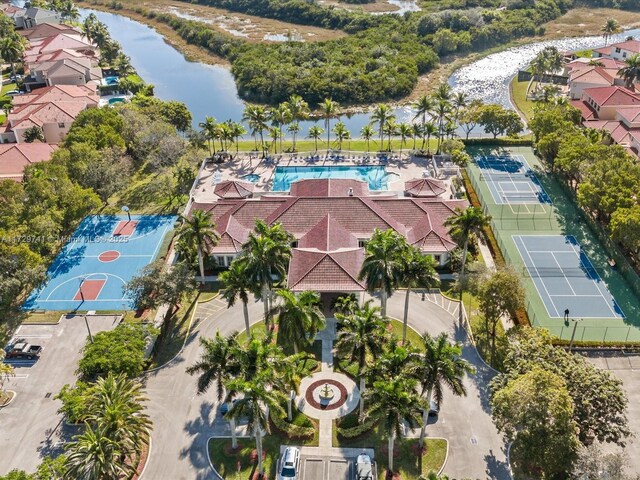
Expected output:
{"points": [[505, 176]]}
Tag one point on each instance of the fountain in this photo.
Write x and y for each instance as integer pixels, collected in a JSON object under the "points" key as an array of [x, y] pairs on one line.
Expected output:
{"points": [[326, 394]]}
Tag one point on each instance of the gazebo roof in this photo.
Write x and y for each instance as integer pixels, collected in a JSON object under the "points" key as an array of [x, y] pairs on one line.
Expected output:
{"points": [[233, 189], [424, 187]]}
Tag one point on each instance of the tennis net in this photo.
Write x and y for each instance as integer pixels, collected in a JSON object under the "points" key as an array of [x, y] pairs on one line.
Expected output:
{"points": [[504, 176], [576, 272]]}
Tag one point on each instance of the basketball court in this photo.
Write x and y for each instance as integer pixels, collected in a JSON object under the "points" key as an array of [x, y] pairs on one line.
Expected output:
{"points": [[104, 253], [565, 277]]}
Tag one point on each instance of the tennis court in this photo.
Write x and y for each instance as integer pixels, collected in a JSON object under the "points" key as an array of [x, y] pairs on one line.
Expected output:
{"points": [[511, 180], [103, 254], [565, 277]]}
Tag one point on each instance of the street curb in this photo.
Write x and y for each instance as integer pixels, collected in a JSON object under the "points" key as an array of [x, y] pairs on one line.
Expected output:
{"points": [[509, 459], [209, 459], [144, 469], [446, 456]]}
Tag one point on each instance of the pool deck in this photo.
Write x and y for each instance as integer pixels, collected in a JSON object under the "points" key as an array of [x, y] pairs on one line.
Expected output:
{"points": [[406, 168]]}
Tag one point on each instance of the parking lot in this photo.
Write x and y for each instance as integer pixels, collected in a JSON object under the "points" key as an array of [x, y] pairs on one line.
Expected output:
{"points": [[31, 427], [314, 468]]}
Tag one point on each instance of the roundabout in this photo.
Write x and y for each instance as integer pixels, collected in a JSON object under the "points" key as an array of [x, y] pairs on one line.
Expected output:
{"points": [[327, 395]]}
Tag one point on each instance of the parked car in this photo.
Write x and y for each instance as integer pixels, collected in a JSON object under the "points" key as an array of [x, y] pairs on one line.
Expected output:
{"points": [[433, 409], [12, 93], [23, 350], [364, 467], [224, 407], [290, 464]]}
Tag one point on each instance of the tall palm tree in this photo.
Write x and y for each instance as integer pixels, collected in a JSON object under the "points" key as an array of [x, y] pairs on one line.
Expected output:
{"points": [[69, 11], [382, 265], [198, 232], [458, 102], [405, 131], [237, 285], [257, 118], [539, 66], [341, 133], [423, 107], [611, 27], [390, 129], [417, 271], [11, 49], [267, 251], [299, 317], [367, 133], [396, 361], [416, 133], [430, 130], [280, 116], [381, 115], [208, 127], [115, 405], [299, 110], [361, 337], [251, 405], [443, 93], [465, 223], [315, 132], [329, 110], [393, 403], [630, 73], [293, 129], [442, 109], [89, 27], [274, 135], [441, 367], [93, 455]]}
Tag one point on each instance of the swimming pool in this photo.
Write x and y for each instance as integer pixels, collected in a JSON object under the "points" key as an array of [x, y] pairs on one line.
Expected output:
{"points": [[375, 175], [111, 80], [251, 177], [114, 100]]}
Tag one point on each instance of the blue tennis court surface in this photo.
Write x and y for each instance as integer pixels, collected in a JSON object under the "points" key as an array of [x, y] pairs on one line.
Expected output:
{"points": [[510, 180], [565, 277], [104, 253]]}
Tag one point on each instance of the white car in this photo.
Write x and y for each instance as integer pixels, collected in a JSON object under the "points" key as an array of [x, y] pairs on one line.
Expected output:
{"points": [[290, 465], [11, 93], [364, 467]]}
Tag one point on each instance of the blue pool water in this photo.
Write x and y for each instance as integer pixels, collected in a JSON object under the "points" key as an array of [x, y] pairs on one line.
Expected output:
{"points": [[113, 101], [111, 80], [374, 175], [252, 177]]}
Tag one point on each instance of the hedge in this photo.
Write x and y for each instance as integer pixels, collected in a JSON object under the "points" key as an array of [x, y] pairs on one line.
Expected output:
{"points": [[499, 142], [356, 431], [290, 430]]}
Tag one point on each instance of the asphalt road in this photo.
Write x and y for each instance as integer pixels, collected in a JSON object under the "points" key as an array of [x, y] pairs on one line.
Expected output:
{"points": [[30, 427], [183, 420]]}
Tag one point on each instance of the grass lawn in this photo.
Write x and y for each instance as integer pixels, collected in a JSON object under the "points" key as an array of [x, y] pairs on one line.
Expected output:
{"points": [[413, 337], [519, 98], [209, 291], [407, 462], [46, 318], [359, 145], [6, 88]]}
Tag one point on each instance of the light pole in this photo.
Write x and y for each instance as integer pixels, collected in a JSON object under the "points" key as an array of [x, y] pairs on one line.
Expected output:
{"points": [[573, 334], [86, 322]]}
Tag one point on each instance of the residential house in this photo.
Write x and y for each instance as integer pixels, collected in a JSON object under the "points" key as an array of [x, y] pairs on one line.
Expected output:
{"points": [[602, 103], [61, 41], [66, 71], [618, 51], [331, 219], [25, 18], [591, 77], [45, 30], [14, 157]]}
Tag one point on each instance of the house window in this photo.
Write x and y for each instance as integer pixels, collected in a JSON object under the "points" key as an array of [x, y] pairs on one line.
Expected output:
{"points": [[437, 258], [361, 243], [617, 50], [220, 261], [230, 259], [61, 125], [624, 55]]}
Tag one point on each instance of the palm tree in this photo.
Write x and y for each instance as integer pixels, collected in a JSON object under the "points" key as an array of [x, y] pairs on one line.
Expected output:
{"points": [[390, 129], [442, 110], [430, 130], [367, 133], [92, 455], [417, 271], [267, 251], [381, 115], [257, 118], [393, 403], [89, 27], [443, 92], [416, 132], [630, 73], [251, 405], [361, 339], [345, 304], [218, 363], [441, 366], [459, 101], [198, 232], [115, 405], [299, 110], [299, 317], [237, 130], [209, 129], [396, 361], [463, 224], [424, 107], [11, 49], [315, 131], [69, 11], [280, 116], [274, 135], [382, 265], [329, 110], [539, 65], [611, 27], [341, 133], [293, 129], [237, 285], [405, 131]]}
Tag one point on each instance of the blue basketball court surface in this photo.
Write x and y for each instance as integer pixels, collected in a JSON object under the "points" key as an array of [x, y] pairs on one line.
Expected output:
{"points": [[104, 253], [510, 180], [565, 277]]}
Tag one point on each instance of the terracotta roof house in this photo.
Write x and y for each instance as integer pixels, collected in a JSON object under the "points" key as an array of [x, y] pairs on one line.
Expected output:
{"points": [[604, 102], [59, 55], [30, 17], [233, 189], [66, 71], [583, 62], [618, 51], [331, 219], [44, 30], [424, 187], [69, 41], [591, 77], [53, 109], [14, 157]]}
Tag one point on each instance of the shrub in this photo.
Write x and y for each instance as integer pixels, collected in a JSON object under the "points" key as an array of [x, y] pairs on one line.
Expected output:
{"points": [[352, 432], [289, 429]]}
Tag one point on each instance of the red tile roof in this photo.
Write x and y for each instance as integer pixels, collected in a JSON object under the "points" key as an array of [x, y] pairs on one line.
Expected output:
{"points": [[630, 45], [607, 96], [14, 157], [424, 187], [591, 74], [329, 187], [326, 271], [630, 114], [233, 189], [585, 109], [328, 234], [47, 30]]}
